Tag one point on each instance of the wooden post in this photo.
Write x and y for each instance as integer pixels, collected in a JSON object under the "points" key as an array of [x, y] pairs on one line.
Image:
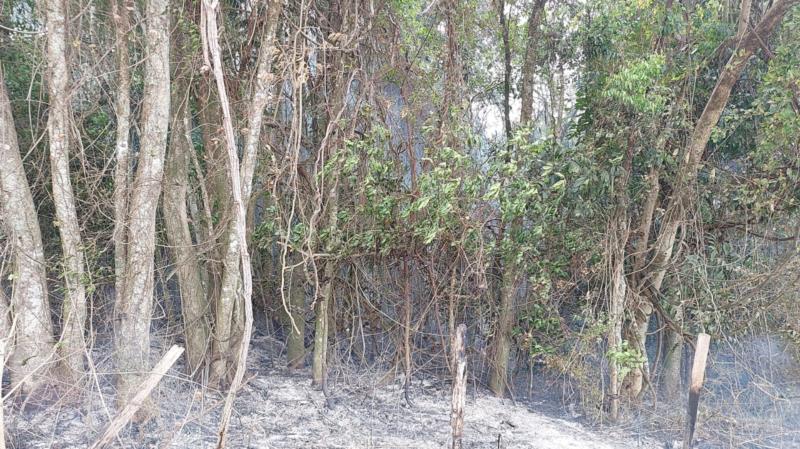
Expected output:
{"points": [[2, 417], [459, 387], [698, 374], [130, 409]]}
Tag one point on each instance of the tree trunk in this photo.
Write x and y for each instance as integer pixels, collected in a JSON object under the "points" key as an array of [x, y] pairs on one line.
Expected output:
{"points": [[237, 240], [618, 232], [122, 170], [216, 204], [133, 312], [31, 343], [231, 303], [296, 320], [498, 381], [194, 299], [616, 308], [72, 346], [319, 365], [744, 18], [408, 349], [671, 374], [530, 62], [749, 43], [508, 271]]}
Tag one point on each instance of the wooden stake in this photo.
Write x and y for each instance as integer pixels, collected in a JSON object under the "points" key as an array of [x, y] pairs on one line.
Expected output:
{"points": [[2, 417], [698, 374], [459, 387], [130, 409]]}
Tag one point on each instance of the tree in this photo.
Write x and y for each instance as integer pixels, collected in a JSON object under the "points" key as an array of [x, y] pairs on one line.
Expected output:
{"points": [[73, 315], [195, 307], [680, 199], [31, 347], [133, 309], [230, 317]]}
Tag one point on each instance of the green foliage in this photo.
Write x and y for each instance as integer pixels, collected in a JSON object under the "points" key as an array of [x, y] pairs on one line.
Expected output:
{"points": [[539, 331], [636, 86], [626, 358]]}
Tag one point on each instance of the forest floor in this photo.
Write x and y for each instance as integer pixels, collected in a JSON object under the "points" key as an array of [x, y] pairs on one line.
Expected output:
{"points": [[278, 408]]}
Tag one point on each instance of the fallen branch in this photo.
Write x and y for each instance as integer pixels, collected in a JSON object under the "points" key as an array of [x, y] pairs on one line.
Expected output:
{"points": [[130, 409]]}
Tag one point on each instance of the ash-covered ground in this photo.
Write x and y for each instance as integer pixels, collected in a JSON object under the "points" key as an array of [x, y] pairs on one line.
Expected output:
{"points": [[278, 408]]}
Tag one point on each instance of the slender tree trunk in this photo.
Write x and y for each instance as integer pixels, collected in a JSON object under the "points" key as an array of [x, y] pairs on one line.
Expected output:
{"points": [[453, 104], [507, 269], [122, 171], [319, 365], [31, 343], [217, 207], [530, 61], [295, 342], [498, 380], [619, 230], [133, 312], [5, 322], [241, 182], [744, 18], [73, 316], [408, 348], [636, 329], [671, 374], [228, 315], [616, 310], [194, 300]]}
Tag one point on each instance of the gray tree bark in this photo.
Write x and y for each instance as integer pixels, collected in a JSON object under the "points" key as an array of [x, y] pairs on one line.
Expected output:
{"points": [[232, 301], [134, 309], [31, 342], [122, 169], [319, 366], [296, 321], [194, 300], [73, 315]]}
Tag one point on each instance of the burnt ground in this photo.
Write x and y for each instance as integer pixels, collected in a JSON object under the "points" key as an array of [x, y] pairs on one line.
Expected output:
{"points": [[278, 408], [743, 406]]}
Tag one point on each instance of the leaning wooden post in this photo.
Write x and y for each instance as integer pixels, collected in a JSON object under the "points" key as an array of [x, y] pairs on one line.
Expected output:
{"points": [[698, 374], [125, 415], [459, 387]]}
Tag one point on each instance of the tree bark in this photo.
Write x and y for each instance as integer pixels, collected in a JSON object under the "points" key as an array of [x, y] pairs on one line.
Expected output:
{"points": [[749, 43], [133, 312], [618, 231], [319, 365], [295, 342], [238, 232], [408, 348], [228, 316], [73, 316], [530, 62], [498, 380], [122, 170], [194, 299], [31, 345], [507, 269], [671, 373]]}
